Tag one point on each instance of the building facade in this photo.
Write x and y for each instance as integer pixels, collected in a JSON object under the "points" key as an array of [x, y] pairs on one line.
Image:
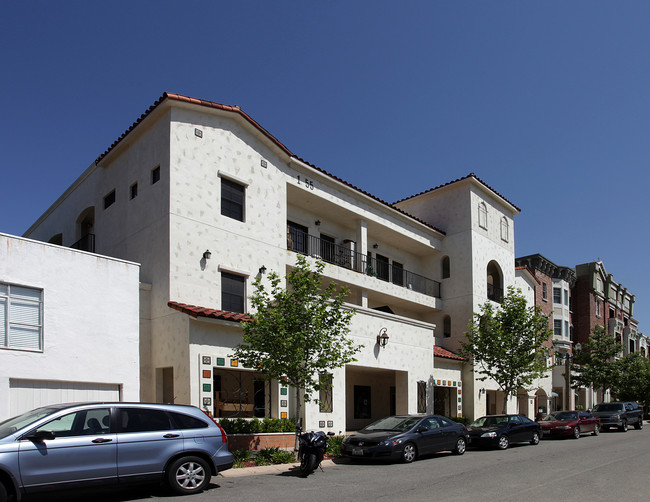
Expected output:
{"points": [[69, 326], [207, 200]]}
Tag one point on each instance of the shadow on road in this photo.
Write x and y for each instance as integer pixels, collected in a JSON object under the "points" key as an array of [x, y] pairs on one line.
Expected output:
{"points": [[122, 493]]}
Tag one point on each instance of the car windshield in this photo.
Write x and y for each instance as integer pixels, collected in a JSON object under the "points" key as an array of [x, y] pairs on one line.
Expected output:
{"points": [[400, 424], [609, 407], [562, 415], [13, 424], [489, 421]]}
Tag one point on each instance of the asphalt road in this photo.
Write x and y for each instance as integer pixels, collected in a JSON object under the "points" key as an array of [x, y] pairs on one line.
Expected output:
{"points": [[612, 467]]}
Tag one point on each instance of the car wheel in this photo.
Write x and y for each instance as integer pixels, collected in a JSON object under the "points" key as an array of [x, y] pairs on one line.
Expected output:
{"points": [[409, 453], [623, 427], [461, 446], [639, 425], [535, 438], [596, 430], [503, 443], [4, 496], [576, 433], [188, 475]]}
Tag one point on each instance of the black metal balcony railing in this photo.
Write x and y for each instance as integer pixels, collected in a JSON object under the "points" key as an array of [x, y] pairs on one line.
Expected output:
{"points": [[495, 294], [86, 243], [344, 256]]}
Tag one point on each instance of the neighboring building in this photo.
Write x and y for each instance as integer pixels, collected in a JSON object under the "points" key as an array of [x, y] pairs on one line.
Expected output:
{"points": [[69, 324], [553, 294], [207, 200]]}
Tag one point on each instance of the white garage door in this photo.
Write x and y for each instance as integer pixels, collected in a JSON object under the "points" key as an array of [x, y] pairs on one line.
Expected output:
{"points": [[25, 395]]}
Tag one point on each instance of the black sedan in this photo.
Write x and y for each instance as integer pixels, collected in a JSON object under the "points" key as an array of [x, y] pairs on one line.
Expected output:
{"points": [[501, 430], [405, 437]]}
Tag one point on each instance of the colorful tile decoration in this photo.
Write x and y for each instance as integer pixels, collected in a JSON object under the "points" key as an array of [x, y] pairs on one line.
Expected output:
{"points": [[283, 414], [283, 403], [207, 401], [207, 360], [207, 387], [283, 391], [234, 363], [321, 423], [207, 374], [221, 361], [330, 423]]}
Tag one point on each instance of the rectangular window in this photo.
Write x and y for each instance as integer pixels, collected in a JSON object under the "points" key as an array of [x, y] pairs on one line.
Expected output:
{"points": [[232, 199], [133, 191], [233, 292], [597, 308], [422, 396], [557, 295], [566, 297], [325, 394], [557, 329], [566, 328], [544, 291], [155, 175], [21, 324], [297, 237], [109, 199]]}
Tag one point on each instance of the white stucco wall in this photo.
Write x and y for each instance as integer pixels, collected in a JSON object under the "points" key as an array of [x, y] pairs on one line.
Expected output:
{"points": [[90, 317]]}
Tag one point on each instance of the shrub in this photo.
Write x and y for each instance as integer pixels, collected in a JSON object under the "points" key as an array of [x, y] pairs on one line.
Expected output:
{"points": [[241, 456], [334, 446], [461, 420], [269, 456], [254, 426]]}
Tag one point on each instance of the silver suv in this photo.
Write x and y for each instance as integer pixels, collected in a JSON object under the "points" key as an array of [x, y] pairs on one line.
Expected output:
{"points": [[69, 445]]}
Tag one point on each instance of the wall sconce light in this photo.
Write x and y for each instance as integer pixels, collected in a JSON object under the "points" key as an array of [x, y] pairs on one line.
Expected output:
{"points": [[317, 222], [382, 338], [207, 254], [375, 245], [262, 270]]}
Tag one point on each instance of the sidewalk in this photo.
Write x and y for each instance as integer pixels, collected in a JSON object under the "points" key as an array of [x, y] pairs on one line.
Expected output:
{"points": [[268, 469]]}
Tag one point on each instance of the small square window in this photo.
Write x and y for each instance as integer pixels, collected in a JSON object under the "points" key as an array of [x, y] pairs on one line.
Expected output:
{"points": [[155, 175], [109, 199], [134, 191]]}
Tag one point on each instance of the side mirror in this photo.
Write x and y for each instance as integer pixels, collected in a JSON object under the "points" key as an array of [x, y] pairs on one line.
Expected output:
{"points": [[422, 428], [40, 436], [330, 433]]}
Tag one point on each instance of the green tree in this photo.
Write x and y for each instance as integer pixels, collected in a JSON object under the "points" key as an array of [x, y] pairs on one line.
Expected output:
{"points": [[298, 332], [595, 365], [632, 380], [506, 343]]}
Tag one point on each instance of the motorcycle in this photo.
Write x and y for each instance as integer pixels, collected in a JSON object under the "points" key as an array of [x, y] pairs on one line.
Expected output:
{"points": [[311, 449]]}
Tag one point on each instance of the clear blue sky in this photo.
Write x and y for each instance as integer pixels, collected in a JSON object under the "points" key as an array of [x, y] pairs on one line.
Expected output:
{"points": [[547, 102]]}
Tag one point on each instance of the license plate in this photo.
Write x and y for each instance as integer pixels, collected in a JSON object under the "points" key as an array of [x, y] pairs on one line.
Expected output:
{"points": [[357, 451]]}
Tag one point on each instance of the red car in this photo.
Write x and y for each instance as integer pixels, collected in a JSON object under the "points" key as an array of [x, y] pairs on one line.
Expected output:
{"points": [[569, 423]]}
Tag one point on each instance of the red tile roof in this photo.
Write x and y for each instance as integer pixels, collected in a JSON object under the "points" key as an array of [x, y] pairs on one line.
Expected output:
{"points": [[195, 312], [239, 111], [470, 175], [447, 354]]}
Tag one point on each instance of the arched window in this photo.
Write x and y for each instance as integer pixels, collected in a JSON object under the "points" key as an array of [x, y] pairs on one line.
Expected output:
{"points": [[446, 326], [505, 229], [446, 273], [85, 230], [494, 282], [482, 215]]}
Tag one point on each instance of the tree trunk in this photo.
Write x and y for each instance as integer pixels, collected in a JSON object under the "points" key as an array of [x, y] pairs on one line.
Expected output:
{"points": [[298, 406], [505, 403]]}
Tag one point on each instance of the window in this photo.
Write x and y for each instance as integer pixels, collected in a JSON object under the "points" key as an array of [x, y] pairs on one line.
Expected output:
{"points": [[398, 273], [143, 420], [446, 270], [20, 317], [482, 215], [566, 297], [133, 191], [544, 291], [505, 229], [232, 292], [597, 308], [494, 282], [382, 271], [155, 175], [80, 423], [557, 329], [566, 328], [599, 285], [232, 199], [422, 396], [109, 199], [182, 421], [557, 295], [446, 327], [325, 394], [297, 237]]}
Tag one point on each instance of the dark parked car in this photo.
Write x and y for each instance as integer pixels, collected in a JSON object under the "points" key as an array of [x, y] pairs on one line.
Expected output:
{"points": [[619, 415], [570, 423], [502, 430], [72, 445], [406, 437]]}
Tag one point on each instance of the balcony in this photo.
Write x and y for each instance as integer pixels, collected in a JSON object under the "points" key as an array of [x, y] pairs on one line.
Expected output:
{"points": [[494, 293], [86, 243], [345, 256]]}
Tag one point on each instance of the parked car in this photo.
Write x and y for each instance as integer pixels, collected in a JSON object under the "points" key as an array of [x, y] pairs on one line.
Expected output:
{"points": [[502, 430], [71, 445], [405, 437], [619, 415], [570, 423]]}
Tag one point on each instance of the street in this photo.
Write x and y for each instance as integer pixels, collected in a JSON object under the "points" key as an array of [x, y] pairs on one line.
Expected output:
{"points": [[612, 466]]}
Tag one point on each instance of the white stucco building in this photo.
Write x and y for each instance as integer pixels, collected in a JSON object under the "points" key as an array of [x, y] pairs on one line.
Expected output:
{"points": [[206, 200], [69, 326]]}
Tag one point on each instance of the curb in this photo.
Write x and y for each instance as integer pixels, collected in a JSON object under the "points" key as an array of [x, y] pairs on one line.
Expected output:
{"points": [[267, 469]]}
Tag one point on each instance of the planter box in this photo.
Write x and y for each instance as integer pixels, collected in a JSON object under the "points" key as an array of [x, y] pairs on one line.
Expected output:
{"points": [[256, 442]]}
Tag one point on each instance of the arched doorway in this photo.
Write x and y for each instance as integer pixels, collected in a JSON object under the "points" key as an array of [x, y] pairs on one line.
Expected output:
{"points": [[494, 282]]}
